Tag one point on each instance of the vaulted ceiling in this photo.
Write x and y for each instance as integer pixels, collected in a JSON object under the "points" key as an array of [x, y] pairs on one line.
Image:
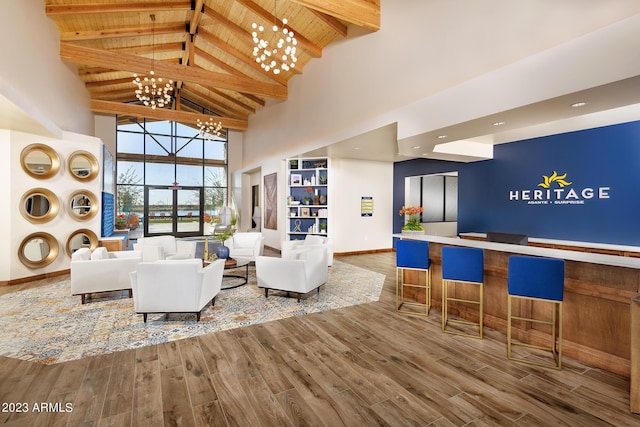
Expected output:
{"points": [[204, 46]]}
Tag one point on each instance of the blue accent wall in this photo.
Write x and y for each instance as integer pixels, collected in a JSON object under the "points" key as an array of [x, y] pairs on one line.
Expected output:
{"points": [[606, 157]]}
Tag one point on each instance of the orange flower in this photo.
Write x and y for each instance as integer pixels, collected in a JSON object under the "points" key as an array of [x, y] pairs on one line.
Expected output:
{"points": [[411, 210], [309, 189]]}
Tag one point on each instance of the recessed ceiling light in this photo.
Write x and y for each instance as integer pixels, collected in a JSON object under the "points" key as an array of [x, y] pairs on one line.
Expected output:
{"points": [[578, 104], [498, 123], [415, 147], [425, 154], [442, 136], [356, 148]]}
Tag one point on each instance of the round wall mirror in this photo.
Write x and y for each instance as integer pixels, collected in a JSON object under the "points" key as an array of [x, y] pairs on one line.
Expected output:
{"points": [[40, 161], [82, 238], [38, 250], [83, 205], [39, 205], [83, 166]]}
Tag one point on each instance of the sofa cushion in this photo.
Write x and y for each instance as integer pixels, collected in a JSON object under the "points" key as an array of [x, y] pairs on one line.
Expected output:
{"points": [[82, 254], [100, 253], [244, 240], [313, 240]]}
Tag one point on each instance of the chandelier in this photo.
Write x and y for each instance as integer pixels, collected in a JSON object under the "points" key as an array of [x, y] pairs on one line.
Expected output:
{"points": [[209, 129], [150, 90], [277, 51]]}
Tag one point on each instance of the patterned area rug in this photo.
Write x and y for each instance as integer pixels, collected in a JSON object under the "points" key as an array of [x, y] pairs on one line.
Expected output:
{"points": [[48, 325]]}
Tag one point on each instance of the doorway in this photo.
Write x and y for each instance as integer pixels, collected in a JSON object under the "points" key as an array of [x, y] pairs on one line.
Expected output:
{"points": [[178, 211]]}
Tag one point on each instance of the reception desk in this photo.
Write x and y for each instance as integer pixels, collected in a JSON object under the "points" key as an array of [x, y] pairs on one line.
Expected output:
{"points": [[599, 289]]}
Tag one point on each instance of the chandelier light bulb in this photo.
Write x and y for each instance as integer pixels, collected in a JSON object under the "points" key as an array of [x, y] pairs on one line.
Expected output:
{"points": [[209, 129], [275, 52]]}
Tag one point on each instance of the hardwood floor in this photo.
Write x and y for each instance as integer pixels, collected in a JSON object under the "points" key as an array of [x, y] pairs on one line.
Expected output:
{"points": [[358, 366]]}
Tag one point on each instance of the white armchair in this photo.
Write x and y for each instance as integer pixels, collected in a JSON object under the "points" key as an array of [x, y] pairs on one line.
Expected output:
{"points": [[175, 286], [290, 248], [101, 271], [308, 271], [158, 248], [248, 245]]}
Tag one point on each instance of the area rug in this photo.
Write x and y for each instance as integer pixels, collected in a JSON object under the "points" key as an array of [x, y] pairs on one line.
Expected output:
{"points": [[47, 325]]}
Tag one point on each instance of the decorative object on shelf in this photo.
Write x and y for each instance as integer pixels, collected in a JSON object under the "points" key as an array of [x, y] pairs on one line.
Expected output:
{"points": [[323, 227], [296, 226], [322, 199], [275, 52], [412, 213], [209, 129], [150, 90], [323, 179], [304, 211], [296, 179]]}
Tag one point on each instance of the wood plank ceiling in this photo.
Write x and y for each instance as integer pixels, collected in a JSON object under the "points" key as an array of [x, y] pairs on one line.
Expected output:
{"points": [[204, 46]]}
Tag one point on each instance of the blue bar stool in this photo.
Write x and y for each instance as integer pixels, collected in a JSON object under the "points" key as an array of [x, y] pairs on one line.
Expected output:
{"points": [[462, 266], [412, 255], [537, 280]]}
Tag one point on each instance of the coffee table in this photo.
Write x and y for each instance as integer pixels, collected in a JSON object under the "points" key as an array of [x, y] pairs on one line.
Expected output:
{"points": [[237, 279]]}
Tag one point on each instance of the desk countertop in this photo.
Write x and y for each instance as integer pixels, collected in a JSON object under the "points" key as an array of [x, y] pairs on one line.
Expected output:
{"points": [[593, 258]]}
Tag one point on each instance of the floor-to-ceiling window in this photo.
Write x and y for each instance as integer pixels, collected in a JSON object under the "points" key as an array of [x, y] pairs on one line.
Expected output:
{"points": [[169, 179]]}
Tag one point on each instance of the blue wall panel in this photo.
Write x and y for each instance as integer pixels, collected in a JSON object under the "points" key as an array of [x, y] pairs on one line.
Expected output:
{"points": [[605, 158]]}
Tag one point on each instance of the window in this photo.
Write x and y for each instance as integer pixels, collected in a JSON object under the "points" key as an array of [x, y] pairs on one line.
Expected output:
{"points": [[438, 194], [161, 153]]}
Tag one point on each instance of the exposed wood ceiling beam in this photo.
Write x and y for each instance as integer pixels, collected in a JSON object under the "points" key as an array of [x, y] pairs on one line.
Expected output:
{"points": [[146, 30], [74, 9], [359, 12], [222, 65], [198, 90], [104, 58], [310, 48], [158, 48], [107, 107], [332, 22]]}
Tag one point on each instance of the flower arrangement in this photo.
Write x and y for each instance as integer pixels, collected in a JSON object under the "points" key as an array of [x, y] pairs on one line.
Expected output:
{"points": [[413, 214], [120, 222]]}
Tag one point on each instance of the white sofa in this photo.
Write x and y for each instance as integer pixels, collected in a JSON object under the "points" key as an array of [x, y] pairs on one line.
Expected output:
{"points": [[175, 286], [156, 248], [101, 271], [247, 245], [302, 274], [290, 248]]}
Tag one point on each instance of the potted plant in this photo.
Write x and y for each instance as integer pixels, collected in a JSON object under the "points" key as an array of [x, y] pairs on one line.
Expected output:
{"points": [[120, 222], [412, 224]]}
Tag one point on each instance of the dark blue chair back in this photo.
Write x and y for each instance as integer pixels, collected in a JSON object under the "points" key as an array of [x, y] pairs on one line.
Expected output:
{"points": [[536, 277], [412, 254], [465, 264]]}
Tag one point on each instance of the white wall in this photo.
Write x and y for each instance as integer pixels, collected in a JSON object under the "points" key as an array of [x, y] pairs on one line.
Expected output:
{"points": [[33, 77], [62, 184], [350, 180], [8, 211]]}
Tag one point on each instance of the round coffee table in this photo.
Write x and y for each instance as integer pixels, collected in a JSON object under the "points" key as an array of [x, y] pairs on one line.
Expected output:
{"points": [[237, 279]]}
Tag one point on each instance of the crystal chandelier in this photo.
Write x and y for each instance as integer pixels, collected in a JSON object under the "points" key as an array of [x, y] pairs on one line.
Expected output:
{"points": [[209, 129], [276, 52], [150, 90]]}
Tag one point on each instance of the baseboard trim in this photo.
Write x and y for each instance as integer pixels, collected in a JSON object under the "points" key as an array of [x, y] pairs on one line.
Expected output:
{"points": [[370, 251], [32, 278]]}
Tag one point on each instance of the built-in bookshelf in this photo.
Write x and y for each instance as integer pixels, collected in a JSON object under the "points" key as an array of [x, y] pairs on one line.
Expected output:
{"points": [[307, 197]]}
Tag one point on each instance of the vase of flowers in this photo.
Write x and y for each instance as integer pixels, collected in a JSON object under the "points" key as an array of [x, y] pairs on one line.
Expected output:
{"points": [[412, 224]]}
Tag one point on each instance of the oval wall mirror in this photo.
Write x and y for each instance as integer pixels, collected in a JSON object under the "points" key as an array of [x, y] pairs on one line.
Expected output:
{"points": [[39, 205], [83, 166], [38, 250], [83, 205], [39, 161], [82, 238]]}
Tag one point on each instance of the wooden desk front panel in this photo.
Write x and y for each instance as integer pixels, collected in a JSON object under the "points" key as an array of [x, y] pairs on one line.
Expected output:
{"points": [[597, 298]]}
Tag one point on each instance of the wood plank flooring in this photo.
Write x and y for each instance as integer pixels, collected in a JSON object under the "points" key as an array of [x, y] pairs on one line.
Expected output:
{"points": [[358, 366]]}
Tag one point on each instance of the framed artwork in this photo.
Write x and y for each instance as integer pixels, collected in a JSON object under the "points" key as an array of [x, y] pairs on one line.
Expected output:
{"points": [[304, 212], [270, 201], [296, 179]]}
